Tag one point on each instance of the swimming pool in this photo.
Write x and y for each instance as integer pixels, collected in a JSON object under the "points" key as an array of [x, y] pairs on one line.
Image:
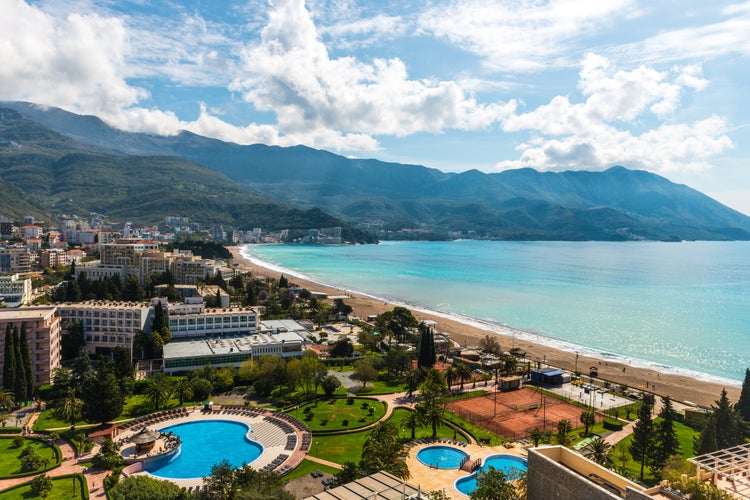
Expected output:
{"points": [[509, 464], [441, 457], [205, 444]]}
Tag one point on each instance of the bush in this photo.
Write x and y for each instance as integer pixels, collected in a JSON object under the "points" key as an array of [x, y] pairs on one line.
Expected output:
{"points": [[350, 400], [18, 441], [41, 485], [324, 421], [345, 422], [612, 425], [202, 388], [31, 461]]}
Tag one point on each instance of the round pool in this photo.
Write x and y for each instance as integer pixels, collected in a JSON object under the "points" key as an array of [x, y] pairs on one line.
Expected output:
{"points": [[509, 464], [205, 444], [441, 457]]}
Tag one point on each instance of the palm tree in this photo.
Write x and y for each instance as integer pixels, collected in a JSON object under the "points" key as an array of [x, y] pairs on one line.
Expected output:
{"points": [[183, 389], [598, 451], [433, 414], [70, 408], [414, 420], [536, 435], [563, 429], [7, 400], [158, 392], [383, 451], [510, 363], [464, 373], [450, 376]]}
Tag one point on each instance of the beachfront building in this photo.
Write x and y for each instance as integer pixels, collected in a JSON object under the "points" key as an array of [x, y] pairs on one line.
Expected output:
{"points": [[193, 319], [43, 331], [107, 325], [283, 340], [15, 259], [14, 290]]}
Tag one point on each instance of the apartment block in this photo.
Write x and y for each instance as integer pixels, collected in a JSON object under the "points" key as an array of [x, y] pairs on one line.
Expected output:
{"points": [[15, 259], [15, 290], [43, 334], [107, 325]]}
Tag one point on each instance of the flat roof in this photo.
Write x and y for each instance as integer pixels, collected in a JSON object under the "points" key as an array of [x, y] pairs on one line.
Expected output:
{"points": [[378, 486], [226, 345], [25, 313]]}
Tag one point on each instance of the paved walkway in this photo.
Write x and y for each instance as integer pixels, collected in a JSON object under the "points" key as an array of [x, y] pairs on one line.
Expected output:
{"points": [[69, 465], [618, 436]]}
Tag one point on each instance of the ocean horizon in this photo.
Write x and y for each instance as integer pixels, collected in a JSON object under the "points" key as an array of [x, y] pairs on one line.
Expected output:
{"points": [[674, 307]]}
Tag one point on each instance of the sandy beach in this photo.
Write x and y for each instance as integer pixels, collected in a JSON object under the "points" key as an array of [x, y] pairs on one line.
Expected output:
{"points": [[678, 387]]}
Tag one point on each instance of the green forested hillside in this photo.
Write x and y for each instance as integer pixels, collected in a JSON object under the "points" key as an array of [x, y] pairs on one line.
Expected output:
{"points": [[46, 172]]}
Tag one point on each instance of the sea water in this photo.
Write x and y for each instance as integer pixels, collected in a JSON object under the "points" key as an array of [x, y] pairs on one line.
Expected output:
{"points": [[677, 307]]}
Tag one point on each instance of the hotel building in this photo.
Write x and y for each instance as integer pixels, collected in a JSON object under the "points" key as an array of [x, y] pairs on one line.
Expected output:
{"points": [[43, 330]]}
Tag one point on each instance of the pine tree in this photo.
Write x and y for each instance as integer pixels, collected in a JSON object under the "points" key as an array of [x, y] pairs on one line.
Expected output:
{"points": [[641, 448], [20, 386], [728, 423], [26, 363], [743, 405], [9, 361], [665, 434], [707, 441]]}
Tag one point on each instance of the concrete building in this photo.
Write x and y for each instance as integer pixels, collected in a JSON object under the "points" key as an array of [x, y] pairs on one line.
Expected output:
{"points": [[14, 290], [95, 270], [15, 259], [182, 355], [107, 325], [43, 334], [563, 474], [54, 257], [192, 319]]}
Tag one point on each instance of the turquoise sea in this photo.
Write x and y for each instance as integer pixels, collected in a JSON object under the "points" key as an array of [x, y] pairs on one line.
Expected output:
{"points": [[677, 307]]}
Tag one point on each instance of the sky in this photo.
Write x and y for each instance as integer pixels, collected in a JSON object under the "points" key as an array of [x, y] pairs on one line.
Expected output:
{"points": [[455, 84]]}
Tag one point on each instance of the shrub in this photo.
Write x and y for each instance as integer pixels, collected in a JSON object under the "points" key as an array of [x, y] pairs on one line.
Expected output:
{"points": [[350, 400], [18, 441], [612, 425], [345, 422], [31, 462], [324, 421], [41, 485]]}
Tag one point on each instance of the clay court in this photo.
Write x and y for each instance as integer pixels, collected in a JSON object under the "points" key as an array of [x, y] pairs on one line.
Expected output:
{"points": [[516, 412]]}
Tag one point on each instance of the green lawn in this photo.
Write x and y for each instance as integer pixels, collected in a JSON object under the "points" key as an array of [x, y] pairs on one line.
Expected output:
{"points": [[62, 489], [10, 461], [337, 415], [306, 467], [134, 406], [380, 387], [339, 448], [444, 431], [479, 433], [685, 436]]}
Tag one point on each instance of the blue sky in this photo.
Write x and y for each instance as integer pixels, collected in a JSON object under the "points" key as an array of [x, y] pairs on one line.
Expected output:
{"points": [[455, 84]]}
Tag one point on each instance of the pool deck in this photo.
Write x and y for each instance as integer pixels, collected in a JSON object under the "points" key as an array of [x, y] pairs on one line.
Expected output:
{"points": [[430, 479], [267, 428]]}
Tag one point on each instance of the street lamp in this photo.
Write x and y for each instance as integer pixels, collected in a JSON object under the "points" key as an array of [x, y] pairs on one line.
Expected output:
{"points": [[316, 447]]}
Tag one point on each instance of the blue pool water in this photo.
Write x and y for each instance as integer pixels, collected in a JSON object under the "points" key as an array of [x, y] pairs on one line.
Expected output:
{"points": [[205, 444], [441, 457], [506, 463]]}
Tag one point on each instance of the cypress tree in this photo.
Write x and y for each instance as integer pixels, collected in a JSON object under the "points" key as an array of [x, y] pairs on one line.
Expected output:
{"points": [[9, 361], [728, 423], [26, 363], [743, 405], [427, 355], [20, 386]]}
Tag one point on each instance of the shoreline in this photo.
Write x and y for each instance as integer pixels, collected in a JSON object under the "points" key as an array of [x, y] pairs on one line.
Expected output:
{"points": [[679, 385]]}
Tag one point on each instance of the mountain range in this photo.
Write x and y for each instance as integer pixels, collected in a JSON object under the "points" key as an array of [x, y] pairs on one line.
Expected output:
{"points": [[394, 200]]}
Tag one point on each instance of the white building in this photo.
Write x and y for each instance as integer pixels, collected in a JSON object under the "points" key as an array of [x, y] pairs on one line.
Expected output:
{"points": [[14, 290], [192, 319], [107, 325]]}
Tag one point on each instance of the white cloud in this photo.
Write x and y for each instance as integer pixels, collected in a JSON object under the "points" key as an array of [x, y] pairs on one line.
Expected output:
{"points": [[700, 42], [599, 131], [78, 60], [524, 35], [315, 96]]}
